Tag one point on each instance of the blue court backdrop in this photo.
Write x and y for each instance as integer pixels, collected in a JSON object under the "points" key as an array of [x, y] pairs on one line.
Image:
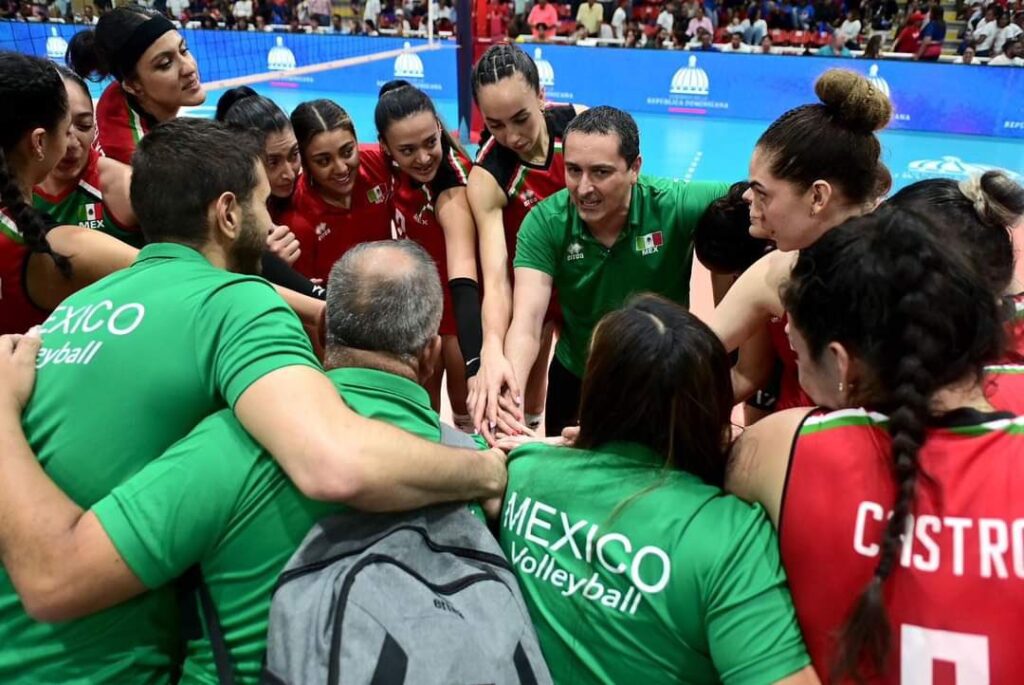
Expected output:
{"points": [[700, 114]]}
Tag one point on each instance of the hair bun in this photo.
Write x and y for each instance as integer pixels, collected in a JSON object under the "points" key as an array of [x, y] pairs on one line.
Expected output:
{"points": [[998, 199], [229, 98], [854, 101]]}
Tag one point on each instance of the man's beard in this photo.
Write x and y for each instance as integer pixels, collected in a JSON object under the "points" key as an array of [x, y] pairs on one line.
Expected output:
{"points": [[247, 252]]}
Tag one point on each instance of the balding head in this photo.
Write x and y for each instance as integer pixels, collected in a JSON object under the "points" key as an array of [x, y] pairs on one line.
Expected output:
{"points": [[383, 298]]}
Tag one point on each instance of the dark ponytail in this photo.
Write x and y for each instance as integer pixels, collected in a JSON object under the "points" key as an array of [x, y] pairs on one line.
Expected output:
{"points": [[245, 108], [34, 97], [110, 49], [399, 99], [919, 318]]}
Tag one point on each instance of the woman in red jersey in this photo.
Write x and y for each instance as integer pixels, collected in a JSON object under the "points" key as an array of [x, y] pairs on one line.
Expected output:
{"points": [[343, 197], [40, 263], [978, 215], [155, 75], [85, 188], [517, 167], [900, 515], [246, 108], [814, 167], [430, 176]]}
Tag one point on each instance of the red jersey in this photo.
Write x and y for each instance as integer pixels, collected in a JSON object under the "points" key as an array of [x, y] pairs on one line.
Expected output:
{"points": [[415, 218], [527, 184], [955, 598], [325, 232], [1015, 328], [1004, 387], [121, 124], [18, 312], [791, 394]]}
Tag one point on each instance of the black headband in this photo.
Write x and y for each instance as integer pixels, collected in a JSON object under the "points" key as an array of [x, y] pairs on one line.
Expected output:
{"points": [[142, 37]]}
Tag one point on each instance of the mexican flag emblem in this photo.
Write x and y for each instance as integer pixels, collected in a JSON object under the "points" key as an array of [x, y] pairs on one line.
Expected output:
{"points": [[649, 243], [94, 211], [375, 194]]}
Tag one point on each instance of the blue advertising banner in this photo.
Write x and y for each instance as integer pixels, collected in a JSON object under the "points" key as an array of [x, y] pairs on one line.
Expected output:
{"points": [[225, 55], [944, 98]]}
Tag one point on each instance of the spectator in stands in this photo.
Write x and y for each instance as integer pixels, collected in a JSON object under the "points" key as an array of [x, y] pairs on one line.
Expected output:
{"points": [[371, 13], [908, 40], [176, 9], [619, 19], [259, 23], [850, 29], [320, 12], [1005, 31], [242, 9], [631, 39], [804, 15], [984, 36], [967, 57], [370, 29], [754, 27], [591, 16], [1011, 55], [661, 37], [699, 21], [280, 12], [883, 12], [666, 18], [836, 47], [736, 44], [932, 36], [767, 47], [243, 25], [543, 13], [873, 50], [402, 25]]}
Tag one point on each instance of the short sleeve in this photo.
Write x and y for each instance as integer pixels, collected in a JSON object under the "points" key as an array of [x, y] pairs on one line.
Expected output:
{"points": [[535, 248], [170, 514], [248, 331], [753, 632]]}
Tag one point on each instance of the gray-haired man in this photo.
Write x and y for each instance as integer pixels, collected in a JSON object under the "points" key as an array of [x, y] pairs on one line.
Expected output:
{"points": [[218, 499]]}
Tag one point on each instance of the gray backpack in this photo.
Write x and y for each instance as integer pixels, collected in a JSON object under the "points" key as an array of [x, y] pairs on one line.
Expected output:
{"points": [[422, 597]]}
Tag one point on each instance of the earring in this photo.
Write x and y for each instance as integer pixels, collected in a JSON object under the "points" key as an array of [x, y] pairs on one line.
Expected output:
{"points": [[840, 387]]}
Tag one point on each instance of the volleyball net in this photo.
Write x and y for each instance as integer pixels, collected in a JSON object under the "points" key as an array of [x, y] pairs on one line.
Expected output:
{"points": [[289, 67]]}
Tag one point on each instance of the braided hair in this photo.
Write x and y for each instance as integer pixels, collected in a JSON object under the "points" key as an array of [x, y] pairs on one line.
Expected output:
{"points": [[503, 61], [34, 97], [919, 318]]}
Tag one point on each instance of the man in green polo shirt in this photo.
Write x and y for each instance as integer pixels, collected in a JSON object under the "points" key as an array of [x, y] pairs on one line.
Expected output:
{"points": [[611, 233], [218, 499], [134, 362]]}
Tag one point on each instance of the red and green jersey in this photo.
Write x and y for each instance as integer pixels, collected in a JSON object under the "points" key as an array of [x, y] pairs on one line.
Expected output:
{"points": [[17, 311], [325, 231], [415, 217], [120, 125], [955, 597], [82, 205]]}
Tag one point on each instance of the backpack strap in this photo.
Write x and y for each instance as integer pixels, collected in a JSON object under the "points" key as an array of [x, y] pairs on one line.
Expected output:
{"points": [[221, 655], [523, 668]]}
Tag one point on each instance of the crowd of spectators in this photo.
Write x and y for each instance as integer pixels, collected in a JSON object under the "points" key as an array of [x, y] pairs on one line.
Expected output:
{"points": [[873, 29], [394, 17]]}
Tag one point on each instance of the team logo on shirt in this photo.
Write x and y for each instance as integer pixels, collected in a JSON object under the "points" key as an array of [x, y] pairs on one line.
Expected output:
{"points": [[528, 198], [376, 194], [322, 230], [648, 243], [91, 215], [574, 252]]}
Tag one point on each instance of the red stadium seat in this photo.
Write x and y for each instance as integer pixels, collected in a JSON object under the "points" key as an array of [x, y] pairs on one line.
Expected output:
{"points": [[798, 38], [564, 11], [722, 35], [779, 37]]}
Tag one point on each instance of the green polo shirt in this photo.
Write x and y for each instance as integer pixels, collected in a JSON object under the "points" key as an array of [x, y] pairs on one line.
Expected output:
{"points": [[130, 365], [654, 253], [218, 499], [638, 574]]}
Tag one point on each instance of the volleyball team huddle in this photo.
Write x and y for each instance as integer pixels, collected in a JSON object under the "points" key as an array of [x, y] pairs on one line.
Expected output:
{"points": [[215, 332]]}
